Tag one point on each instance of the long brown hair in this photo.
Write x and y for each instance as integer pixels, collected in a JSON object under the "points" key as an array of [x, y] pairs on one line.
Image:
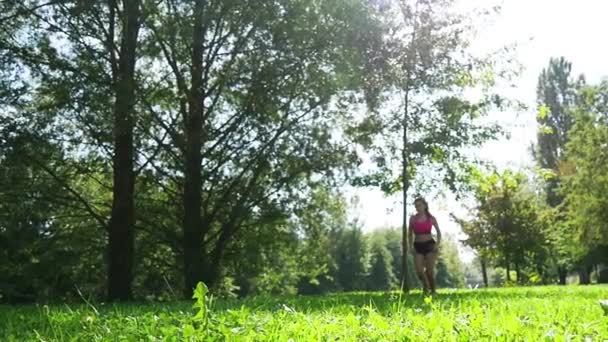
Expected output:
{"points": [[426, 207]]}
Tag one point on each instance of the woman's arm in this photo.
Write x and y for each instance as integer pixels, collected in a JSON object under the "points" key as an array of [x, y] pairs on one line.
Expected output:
{"points": [[436, 225]]}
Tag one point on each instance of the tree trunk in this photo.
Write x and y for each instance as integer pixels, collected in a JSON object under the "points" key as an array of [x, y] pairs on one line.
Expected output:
{"points": [[484, 273], [404, 241], [194, 255], [409, 65], [508, 272], [122, 220], [583, 275], [561, 271], [517, 272], [405, 286]]}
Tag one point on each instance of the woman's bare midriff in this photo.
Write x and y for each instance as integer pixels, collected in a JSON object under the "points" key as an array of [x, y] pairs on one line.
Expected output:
{"points": [[423, 237]]}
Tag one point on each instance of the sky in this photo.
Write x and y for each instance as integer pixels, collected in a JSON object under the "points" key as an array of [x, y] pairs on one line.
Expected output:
{"points": [[541, 29]]}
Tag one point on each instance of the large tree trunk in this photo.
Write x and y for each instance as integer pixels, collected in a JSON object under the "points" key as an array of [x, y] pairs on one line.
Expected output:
{"points": [[562, 273], [194, 255], [122, 220], [484, 273]]}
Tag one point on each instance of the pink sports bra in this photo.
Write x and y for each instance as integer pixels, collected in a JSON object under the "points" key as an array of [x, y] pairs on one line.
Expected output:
{"points": [[422, 227]]}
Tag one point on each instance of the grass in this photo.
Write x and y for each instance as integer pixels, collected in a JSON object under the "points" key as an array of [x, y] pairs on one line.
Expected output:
{"points": [[512, 314]]}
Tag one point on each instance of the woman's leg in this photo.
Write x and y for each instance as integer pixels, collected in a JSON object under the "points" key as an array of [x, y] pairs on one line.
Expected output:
{"points": [[419, 264], [429, 264]]}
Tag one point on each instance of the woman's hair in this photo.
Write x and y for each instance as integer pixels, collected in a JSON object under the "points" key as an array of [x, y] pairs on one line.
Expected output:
{"points": [[426, 206]]}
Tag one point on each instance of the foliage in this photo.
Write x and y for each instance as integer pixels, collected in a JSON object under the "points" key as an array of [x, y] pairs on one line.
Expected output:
{"points": [[393, 244], [351, 260], [507, 229], [558, 93], [269, 83], [418, 117], [586, 184], [556, 96], [417, 70], [380, 276], [449, 268]]}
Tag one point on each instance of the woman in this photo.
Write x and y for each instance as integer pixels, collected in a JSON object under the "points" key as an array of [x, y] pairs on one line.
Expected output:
{"points": [[423, 245]]}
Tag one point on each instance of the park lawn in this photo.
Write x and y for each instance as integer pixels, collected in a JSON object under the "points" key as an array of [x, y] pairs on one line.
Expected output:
{"points": [[549, 313]]}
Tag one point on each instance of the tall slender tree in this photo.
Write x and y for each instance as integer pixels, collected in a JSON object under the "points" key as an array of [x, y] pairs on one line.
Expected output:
{"points": [[416, 106], [556, 97]]}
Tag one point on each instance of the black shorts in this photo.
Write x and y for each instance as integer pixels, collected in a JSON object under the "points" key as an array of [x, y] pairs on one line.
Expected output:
{"points": [[425, 247]]}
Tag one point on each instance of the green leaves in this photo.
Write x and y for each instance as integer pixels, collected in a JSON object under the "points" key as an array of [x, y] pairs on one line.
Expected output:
{"points": [[269, 131], [545, 130], [543, 112], [507, 227], [584, 189], [547, 174], [419, 71], [202, 303]]}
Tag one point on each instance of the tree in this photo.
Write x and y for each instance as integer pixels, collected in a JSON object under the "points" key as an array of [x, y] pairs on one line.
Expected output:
{"points": [[556, 97], [450, 270], [506, 228], [27, 231], [72, 64], [236, 117], [351, 260], [415, 100], [121, 237], [234, 122], [393, 244], [380, 276], [297, 256], [253, 124], [479, 238], [585, 177]]}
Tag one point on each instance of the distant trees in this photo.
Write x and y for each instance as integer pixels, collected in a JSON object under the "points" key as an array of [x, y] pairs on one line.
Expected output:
{"points": [[548, 226], [571, 144], [506, 230]]}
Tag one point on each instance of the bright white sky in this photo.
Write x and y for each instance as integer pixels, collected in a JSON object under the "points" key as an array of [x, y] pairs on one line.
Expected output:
{"points": [[542, 29]]}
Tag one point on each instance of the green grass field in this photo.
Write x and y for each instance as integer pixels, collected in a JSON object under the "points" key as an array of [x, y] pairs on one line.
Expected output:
{"points": [[512, 314]]}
